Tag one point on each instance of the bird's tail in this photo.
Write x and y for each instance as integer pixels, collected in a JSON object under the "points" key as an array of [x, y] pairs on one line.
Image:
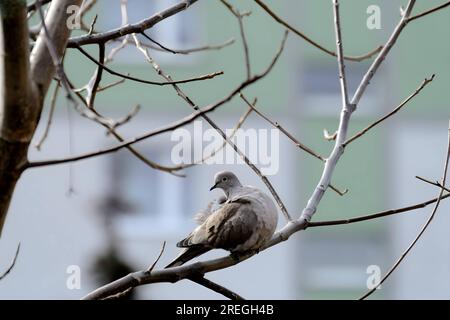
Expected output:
{"points": [[188, 254]]}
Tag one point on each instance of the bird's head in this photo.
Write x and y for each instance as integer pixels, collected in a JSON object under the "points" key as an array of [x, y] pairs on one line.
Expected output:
{"points": [[226, 181]]}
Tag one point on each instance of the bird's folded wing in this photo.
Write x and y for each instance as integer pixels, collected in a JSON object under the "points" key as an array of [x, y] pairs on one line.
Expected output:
{"points": [[231, 225]]}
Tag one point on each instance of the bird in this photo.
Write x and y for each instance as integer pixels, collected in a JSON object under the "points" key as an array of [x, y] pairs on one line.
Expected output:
{"points": [[242, 220]]}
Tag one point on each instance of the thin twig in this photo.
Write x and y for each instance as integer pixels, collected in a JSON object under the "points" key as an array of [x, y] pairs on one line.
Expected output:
{"points": [[160, 130], [109, 70], [130, 28], [383, 53], [192, 50], [217, 128], [346, 113], [309, 40], [92, 26], [13, 263], [109, 125], [214, 152], [422, 14], [216, 287], [398, 108], [157, 43], [32, 6], [283, 130], [240, 17], [434, 183], [291, 137], [150, 269], [425, 226], [92, 90], [110, 85], [127, 118], [340, 53], [50, 117], [375, 215]]}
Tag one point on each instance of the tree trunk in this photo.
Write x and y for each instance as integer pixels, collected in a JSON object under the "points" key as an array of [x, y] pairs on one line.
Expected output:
{"points": [[24, 82]]}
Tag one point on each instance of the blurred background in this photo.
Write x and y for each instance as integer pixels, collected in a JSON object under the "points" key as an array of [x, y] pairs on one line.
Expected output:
{"points": [[110, 215]]}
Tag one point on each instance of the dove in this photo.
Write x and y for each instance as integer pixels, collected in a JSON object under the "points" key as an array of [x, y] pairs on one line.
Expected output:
{"points": [[244, 220]]}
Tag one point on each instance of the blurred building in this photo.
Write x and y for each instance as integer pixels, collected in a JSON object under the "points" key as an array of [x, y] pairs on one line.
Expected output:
{"points": [[117, 209]]}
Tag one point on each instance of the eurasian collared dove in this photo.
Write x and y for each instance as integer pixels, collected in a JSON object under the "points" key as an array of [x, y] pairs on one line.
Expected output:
{"points": [[245, 220]]}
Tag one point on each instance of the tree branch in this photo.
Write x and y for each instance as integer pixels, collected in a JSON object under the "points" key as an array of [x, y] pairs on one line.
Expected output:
{"points": [[427, 12], [160, 130], [18, 110], [309, 40], [50, 117], [425, 226], [11, 266], [216, 287], [400, 106], [43, 66], [240, 17], [32, 7], [138, 27], [340, 54], [376, 215], [192, 50], [437, 184], [109, 70], [217, 128], [382, 55], [346, 113], [92, 90]]}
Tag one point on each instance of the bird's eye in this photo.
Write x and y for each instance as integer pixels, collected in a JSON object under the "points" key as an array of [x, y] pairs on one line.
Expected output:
{"points": [[224, 179]]}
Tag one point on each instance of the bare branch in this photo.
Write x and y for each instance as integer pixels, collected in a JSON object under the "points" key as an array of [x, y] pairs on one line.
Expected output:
{"points": [[212, 154], [13, 263], [340, 53], [110, 85], [127, 118], [109, 125], [383, 53], [217, 128], [157, 259], [425, 226], [107, 69], [283, 130], [163, 129], [216, 287], [45, 61], [240, 17], [32, 6], [20, 99], [346, 114], [291, 137], [50, 117], [92, 89], [437, 184], [376, 215], [157, 43], [131, 28], [92, 26], [309, 40], [425, 13], [192, 50], [398, 108]]}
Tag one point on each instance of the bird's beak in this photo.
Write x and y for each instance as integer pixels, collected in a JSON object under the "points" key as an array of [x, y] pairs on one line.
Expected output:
{"points": [[213, 187]]}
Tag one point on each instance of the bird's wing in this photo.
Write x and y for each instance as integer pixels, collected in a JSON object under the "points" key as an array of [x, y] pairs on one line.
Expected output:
{"points": [[231, 225], [214, 205]]}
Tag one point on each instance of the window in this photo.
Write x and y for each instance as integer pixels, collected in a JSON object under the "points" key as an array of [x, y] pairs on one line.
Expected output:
{"points": [[143, 200]]}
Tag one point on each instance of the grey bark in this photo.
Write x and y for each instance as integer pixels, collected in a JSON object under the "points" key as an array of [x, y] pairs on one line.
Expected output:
{"points": [[23, 86]]}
